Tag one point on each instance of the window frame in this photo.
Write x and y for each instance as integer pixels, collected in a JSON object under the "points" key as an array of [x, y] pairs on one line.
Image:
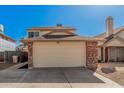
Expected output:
{"points": [[33, 34]]}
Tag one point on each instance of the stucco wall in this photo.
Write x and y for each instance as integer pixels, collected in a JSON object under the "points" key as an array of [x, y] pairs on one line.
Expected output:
{"points": [[99, 53], [115, 42], [121, 34]]}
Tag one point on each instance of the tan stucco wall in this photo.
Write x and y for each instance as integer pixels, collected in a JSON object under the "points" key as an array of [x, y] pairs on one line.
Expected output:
{"points": [[115, 42], [99, 53], [40, 32], [43, 32], [59, 33], [59, 54], [121, 34]]}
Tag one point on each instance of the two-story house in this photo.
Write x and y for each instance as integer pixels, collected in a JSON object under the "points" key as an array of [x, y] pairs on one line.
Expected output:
{"points": [[60, 46]]}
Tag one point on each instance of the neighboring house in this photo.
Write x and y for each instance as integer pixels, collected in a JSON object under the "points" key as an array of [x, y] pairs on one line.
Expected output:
{"points": [[60, 47], [6, 43], [22, 47], [111, 48]]}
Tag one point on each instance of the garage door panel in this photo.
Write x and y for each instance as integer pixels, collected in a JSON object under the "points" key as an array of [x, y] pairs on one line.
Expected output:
{"points": [[53, 54]]}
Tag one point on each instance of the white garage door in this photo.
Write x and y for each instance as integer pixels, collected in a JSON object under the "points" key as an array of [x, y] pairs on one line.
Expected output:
{"points": [[59, 54]]}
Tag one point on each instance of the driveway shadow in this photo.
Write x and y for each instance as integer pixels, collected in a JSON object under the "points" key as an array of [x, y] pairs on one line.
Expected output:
{"points": [[49, 75]]}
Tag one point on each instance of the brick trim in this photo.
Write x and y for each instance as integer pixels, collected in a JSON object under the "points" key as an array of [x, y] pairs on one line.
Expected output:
{"points": [[91, 54], [30, 55]]}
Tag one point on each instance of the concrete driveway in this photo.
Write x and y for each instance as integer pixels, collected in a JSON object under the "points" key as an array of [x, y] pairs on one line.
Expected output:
{"points": [[53, 78]]}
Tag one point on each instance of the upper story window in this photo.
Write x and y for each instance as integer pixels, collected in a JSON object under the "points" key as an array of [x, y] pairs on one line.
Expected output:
{"points": [[33, 34], [36, 34], [30, 34]]}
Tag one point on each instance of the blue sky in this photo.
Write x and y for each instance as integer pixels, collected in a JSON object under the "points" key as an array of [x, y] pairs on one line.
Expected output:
{"points": [[88, 20]]}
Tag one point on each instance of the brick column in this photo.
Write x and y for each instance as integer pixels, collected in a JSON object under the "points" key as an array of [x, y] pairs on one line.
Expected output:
{"points": [[30, 55], [91, 54]]}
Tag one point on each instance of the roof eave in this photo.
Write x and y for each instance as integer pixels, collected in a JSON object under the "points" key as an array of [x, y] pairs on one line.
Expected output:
{"points": [[32, 40]]}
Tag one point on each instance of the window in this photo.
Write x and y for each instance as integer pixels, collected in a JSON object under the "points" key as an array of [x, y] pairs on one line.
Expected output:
{"points": [[36, 34], [33, 34]]}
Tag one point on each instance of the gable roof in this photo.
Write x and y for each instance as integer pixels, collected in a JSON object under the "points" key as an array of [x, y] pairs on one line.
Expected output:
{"points": [[119, 42], [51, 28], [115, 31]]}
